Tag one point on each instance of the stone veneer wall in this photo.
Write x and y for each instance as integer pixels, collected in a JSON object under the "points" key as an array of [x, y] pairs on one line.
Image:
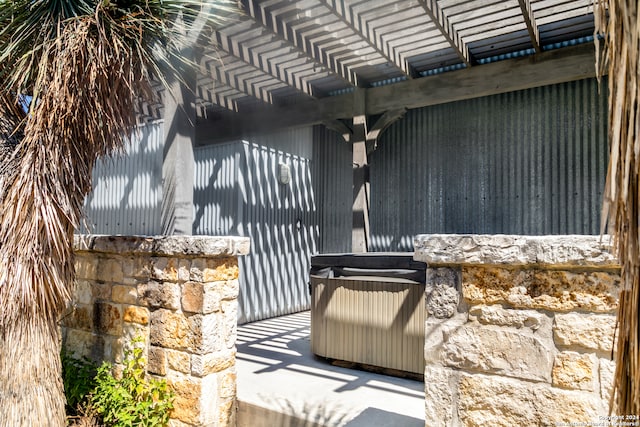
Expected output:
{"points": [[519, 329], [179, 294]]}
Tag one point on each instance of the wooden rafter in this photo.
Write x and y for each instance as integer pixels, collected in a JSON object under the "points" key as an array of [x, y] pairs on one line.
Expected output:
{"points": [[260, 55], [322, 48], [283, 29], [529, 19], [211, 92], [340, 9], [441, 21], [244, 77]]}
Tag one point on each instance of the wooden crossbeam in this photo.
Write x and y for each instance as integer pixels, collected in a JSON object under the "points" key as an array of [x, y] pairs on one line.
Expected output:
{"points": [[546, 68]]}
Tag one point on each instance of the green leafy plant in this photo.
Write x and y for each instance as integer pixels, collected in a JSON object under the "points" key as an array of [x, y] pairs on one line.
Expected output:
{"points": [[78, 377], [132, 400]]}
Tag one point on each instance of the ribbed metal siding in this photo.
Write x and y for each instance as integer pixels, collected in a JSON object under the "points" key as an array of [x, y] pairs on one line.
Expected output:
{"points": [[529, 162], [127, 189], [296, 141], [333, 180], [237, 193]]}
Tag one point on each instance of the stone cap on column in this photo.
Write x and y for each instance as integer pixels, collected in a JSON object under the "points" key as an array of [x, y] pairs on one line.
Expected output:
{"points": [[501, 249], [201, 246]]}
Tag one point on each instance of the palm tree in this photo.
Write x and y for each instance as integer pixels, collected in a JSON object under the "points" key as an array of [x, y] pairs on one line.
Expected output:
{"points": [[617, 22], [85, 63]]}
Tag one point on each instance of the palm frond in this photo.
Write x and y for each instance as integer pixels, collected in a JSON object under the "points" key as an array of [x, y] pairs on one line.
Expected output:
{"points": [[86, 64], [618, 22]]}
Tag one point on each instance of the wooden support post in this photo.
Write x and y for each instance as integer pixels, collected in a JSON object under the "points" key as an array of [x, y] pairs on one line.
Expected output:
{"points": [[360, 224], [178, 159], [364, 142]]}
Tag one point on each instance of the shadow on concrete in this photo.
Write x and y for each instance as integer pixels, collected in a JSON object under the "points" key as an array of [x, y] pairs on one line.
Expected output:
{"points": [[374, 417], [282, 383]]}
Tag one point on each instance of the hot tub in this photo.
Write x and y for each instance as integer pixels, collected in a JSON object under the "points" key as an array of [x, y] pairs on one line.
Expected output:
{"points": [[369, 309]]}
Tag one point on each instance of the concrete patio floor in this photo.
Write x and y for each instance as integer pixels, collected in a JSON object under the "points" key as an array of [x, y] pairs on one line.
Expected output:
{"points": [[282, 384]]}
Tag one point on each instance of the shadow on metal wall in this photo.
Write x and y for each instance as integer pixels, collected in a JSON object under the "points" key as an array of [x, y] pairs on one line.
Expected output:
{"points": [[127, 189], [238, 192]]}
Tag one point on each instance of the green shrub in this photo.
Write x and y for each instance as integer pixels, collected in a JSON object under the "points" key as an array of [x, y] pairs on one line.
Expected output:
{"points": [[78, 378], [132, 400]]}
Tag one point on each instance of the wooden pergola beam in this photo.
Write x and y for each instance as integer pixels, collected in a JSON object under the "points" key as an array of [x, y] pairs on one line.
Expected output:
{"points": [[546, 68], [530, 21]]}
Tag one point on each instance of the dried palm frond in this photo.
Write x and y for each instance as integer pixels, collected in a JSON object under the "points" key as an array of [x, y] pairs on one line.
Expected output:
{"points": [[618, 23], [85, 63]]}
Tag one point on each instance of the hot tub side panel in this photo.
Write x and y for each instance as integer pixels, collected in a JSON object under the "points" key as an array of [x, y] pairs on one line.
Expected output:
{"points": [[378, 323]]}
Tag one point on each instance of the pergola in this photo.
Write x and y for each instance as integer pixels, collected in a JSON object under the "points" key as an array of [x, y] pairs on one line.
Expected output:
{"points": [[356, 66]]}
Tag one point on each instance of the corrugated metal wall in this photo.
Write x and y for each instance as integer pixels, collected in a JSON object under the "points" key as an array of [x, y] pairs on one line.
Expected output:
{"points": [[332, 174], [237, 193], [127, 190], [296, 141], [529, 162]]}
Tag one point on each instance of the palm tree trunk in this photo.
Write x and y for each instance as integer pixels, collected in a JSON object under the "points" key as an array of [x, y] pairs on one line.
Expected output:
{"points": [[36, 259], [40, 206], [31, 391]]}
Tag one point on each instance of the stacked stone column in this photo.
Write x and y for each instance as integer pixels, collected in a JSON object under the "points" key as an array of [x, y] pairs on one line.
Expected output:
{"points": [[179, 294], [519, 329]]}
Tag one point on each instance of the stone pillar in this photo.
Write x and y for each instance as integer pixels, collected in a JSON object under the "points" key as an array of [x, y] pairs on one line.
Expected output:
{"points": [[179, 293], [519, 329]]}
